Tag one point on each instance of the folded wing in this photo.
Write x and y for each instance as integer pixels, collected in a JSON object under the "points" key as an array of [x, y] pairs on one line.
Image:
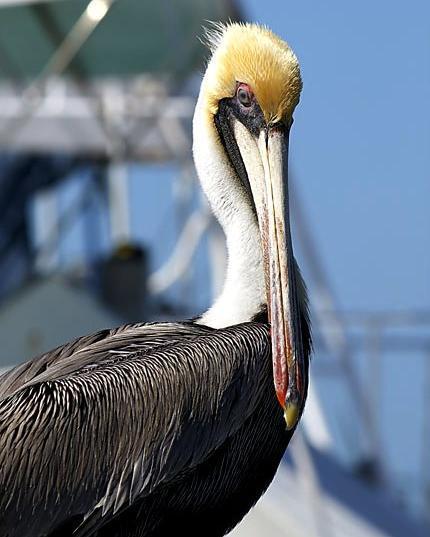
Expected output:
{"points": [[90, 427]]}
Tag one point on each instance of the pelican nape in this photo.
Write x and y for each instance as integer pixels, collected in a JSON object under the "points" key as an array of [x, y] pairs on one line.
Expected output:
{"points": [[175, 428]]}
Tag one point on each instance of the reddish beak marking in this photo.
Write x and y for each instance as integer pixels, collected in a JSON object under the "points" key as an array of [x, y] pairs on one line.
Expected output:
{"points": [[279, 267]]}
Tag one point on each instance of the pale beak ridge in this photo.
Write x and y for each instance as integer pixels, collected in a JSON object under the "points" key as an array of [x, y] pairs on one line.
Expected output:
{"points": [[283, 309]]}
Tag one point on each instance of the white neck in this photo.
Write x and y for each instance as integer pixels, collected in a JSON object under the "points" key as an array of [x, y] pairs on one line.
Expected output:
{"points": [[243, 293]]}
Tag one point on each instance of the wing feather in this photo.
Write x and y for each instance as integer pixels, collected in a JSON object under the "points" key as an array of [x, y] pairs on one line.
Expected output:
{"points": [[89, 431]]}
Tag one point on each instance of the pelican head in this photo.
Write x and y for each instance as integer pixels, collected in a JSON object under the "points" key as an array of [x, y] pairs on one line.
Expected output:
{"points": [[244, 114]]}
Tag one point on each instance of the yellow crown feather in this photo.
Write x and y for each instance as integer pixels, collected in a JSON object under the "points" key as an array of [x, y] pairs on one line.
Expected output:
{"points": [[254, 55]]}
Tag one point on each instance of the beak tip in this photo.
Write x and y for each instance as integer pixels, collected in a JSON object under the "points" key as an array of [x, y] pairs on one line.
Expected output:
{"points": [[291, 415]]}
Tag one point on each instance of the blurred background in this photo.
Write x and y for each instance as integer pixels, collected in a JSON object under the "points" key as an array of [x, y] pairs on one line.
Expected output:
{"points": [[102, 221]]}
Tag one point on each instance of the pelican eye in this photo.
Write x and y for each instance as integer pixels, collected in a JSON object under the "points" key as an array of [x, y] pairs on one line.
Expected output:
{"points": [[244, 96]]}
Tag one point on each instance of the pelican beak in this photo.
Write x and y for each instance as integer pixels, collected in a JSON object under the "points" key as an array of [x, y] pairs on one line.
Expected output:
{"points": [[283, 309], [265, 157]]}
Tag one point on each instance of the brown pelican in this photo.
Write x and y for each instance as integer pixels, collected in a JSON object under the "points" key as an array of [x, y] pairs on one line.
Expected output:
{"points": [[175, 428]]}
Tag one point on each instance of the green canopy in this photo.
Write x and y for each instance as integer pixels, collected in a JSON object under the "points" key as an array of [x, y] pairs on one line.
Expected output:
{"points": [[135, 36]]}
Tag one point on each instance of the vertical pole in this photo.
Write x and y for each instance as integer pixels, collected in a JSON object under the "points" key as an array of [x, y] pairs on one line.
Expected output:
{"points": [[182, 199], [119, 210], [218, 257], [374, 382], [46, 230]]}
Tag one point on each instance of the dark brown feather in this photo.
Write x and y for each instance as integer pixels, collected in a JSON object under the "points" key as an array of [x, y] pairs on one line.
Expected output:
{"points": [[139, 430]]}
